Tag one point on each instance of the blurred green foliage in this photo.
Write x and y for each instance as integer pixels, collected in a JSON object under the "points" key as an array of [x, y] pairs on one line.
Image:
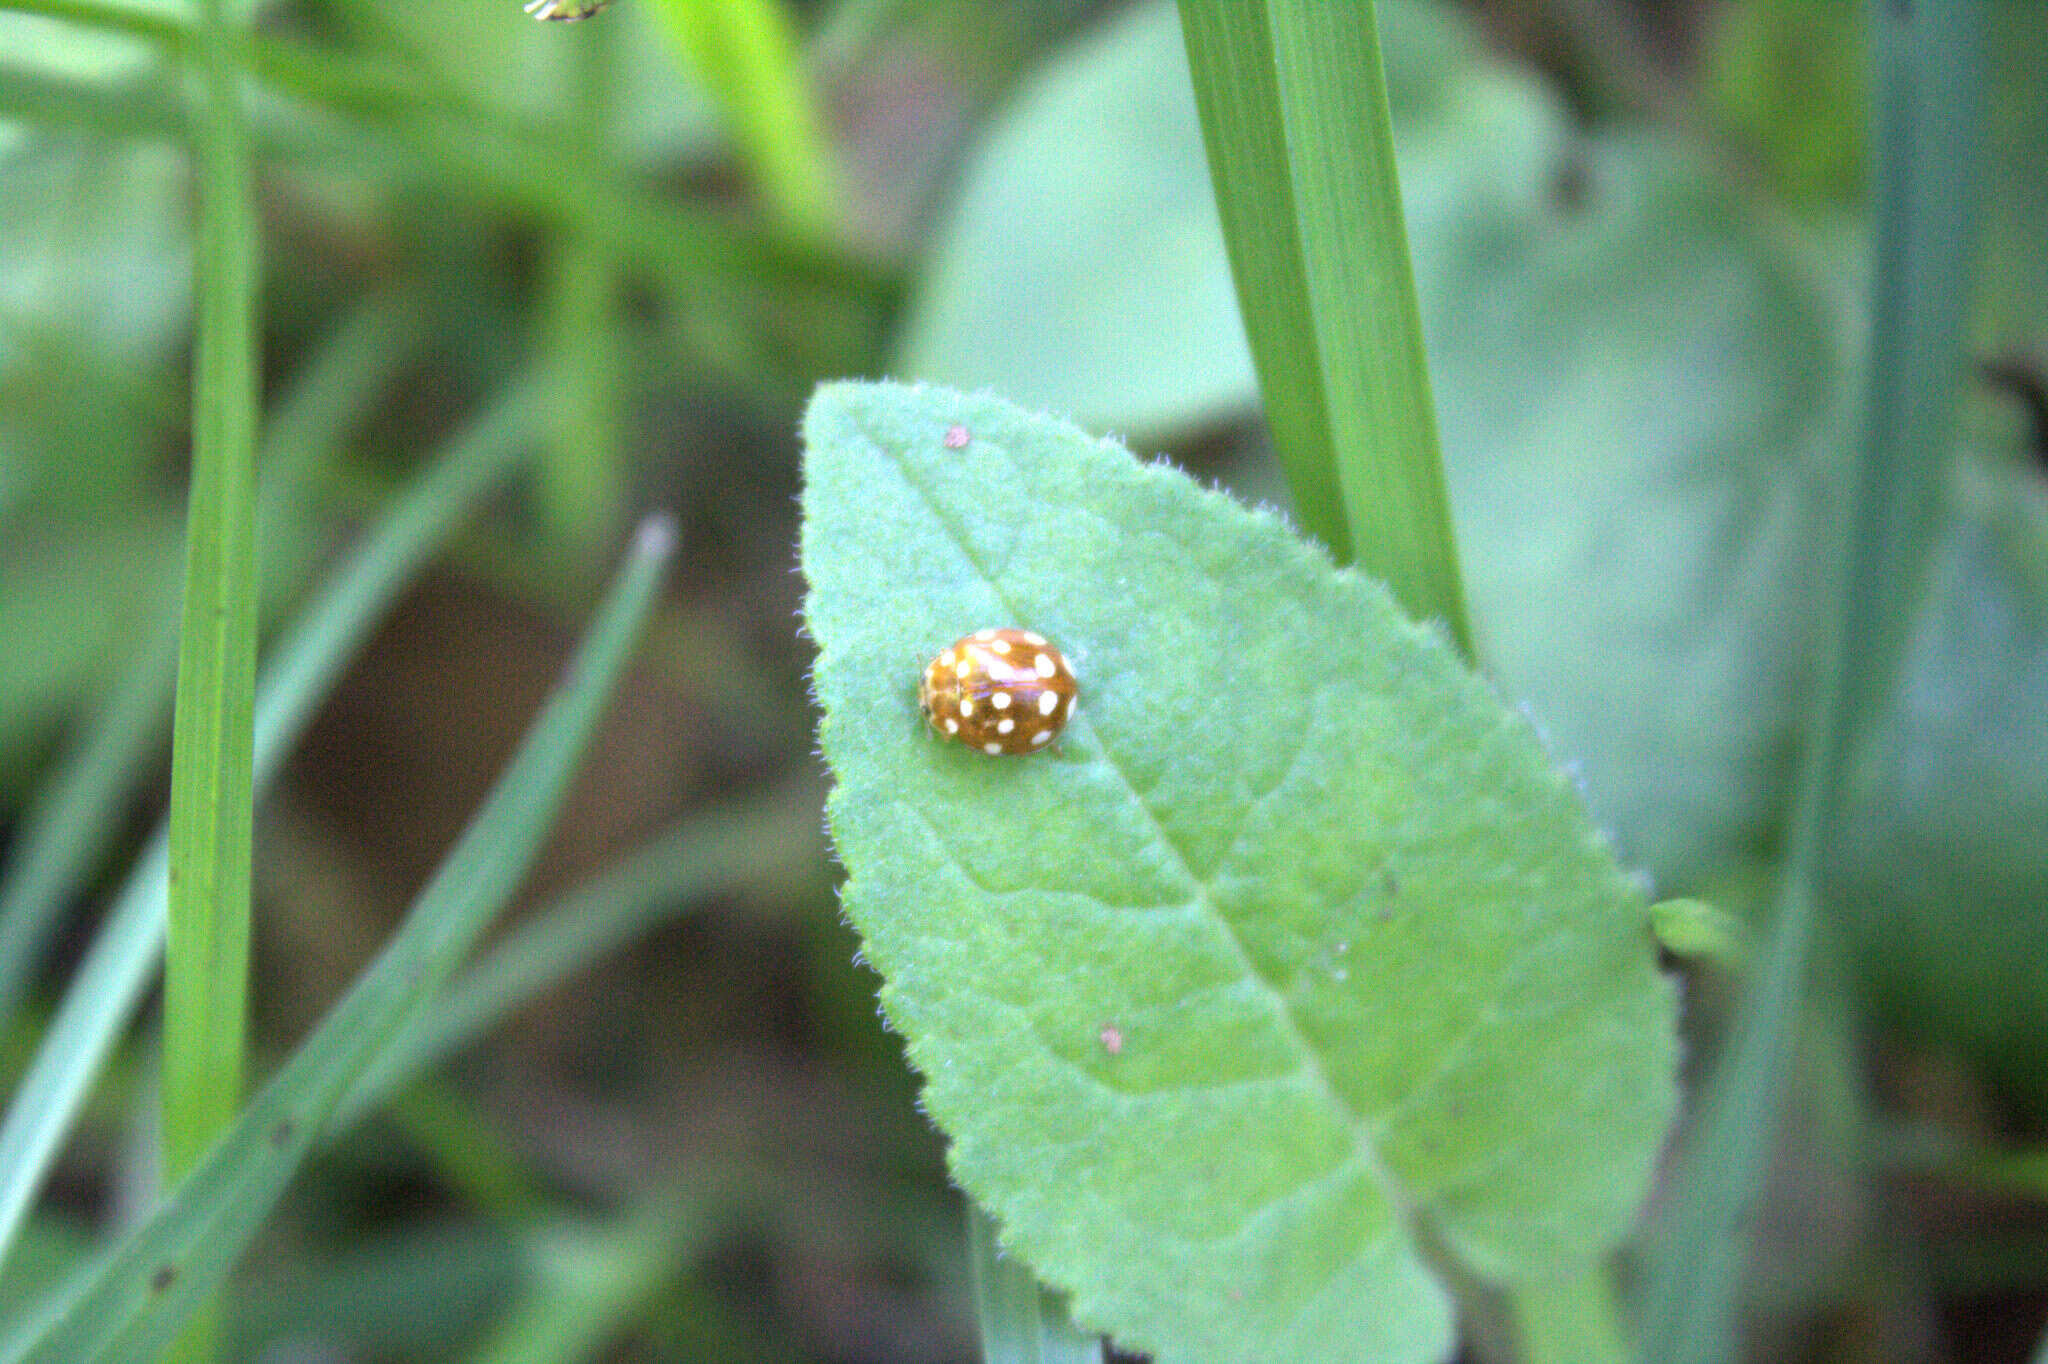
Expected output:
{"points": [[1645, 336]]}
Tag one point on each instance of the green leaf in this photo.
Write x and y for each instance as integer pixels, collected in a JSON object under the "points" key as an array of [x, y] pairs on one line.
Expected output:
{"points": [[1643, 399], [1294, 957], [147, 1287]]}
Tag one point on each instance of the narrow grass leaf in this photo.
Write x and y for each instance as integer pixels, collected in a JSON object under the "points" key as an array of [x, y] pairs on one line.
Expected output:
{"points": [[745, 52], [1020, 1322], [157, 1277], [580, 480], [212, 730], [1294, 113], [1294, 957], [42, 100], [1928, 112], [122, 959]]}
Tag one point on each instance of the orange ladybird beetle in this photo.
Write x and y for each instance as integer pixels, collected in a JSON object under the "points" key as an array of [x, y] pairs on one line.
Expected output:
{"points": [[999, 691]]}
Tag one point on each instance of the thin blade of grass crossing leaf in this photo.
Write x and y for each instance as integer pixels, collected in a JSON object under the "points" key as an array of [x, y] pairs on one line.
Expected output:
{"points": [[152, 1282], [117, 967], [1021, 1321]]}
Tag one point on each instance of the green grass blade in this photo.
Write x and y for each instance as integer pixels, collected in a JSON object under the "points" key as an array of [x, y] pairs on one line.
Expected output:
{"points": [[745, 52], [1020, 1321], [1929, 135], [1929, 144], [673, 871], [213, 803], [40, 100], [119, 965], [102, 997], [1294, 114], [155, 1279], [74, 817], [578, 485]]}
